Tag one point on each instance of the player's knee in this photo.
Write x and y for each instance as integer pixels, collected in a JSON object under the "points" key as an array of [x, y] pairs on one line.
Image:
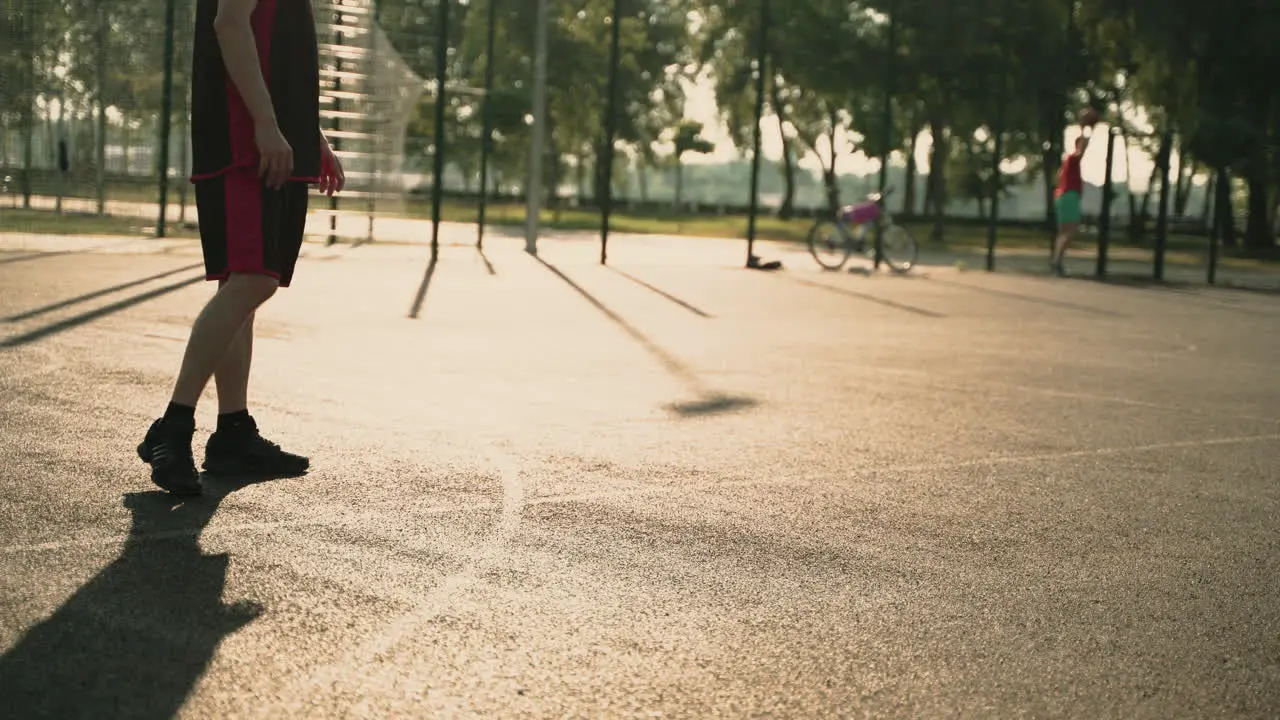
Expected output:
{"points": [[255, 288]]}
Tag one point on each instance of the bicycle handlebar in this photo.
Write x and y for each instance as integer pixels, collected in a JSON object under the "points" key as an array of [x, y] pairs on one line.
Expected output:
{"points": [[877, 197]]}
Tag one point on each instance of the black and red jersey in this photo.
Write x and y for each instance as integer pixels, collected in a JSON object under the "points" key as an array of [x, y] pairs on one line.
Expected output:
{"points": [[222, 135]]}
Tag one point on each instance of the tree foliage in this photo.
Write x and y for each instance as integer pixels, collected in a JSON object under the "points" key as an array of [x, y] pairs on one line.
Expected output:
{"points": [[957, 73]]}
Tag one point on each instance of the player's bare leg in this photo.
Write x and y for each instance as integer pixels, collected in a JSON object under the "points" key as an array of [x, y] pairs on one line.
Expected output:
{"points": [[231, 378], [216, 330], [167, 446]]}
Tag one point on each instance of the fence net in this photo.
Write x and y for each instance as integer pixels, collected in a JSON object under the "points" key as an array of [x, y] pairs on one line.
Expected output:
{"points": [[973, 103]]}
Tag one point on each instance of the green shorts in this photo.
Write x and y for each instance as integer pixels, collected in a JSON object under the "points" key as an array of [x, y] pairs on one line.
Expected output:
{"points": [[1068, 207]]}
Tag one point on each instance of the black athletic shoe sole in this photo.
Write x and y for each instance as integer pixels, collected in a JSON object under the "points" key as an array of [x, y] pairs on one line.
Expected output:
{"points": [[189, 487]]}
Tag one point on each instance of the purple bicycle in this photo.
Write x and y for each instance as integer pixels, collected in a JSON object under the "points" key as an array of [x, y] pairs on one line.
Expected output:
{"points": [[833, 241]]}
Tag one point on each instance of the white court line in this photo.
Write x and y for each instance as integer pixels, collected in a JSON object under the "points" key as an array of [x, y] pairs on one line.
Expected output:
{"points": [[951, 383], [326, 677], [511, 475]]}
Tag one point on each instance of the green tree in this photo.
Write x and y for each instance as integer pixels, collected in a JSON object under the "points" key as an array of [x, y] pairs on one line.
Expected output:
{"points": [[687, 138]]}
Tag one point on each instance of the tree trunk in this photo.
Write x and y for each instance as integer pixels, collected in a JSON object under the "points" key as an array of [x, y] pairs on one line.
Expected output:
{"points": [[1273, 220], [127, 141], [1225, 216], [580, 176], [1210, 188], [830, 182], [829, 175], [1049, 160], [909, 192], [788, 209], [642, 175], [1052, 126], [1138, 227], [928, 194], [553, 170], [679, 186], [1257, 233], [1182, 197], [28, 103], [100, 62], [185, 164], [938, 177]]}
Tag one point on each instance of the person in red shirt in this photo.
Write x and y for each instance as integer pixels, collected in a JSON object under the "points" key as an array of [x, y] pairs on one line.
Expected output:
{"points": [[1067, 199]]}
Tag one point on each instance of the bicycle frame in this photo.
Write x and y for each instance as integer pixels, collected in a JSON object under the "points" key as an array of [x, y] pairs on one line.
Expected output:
{"points": [[854, 225], [856, 221]]}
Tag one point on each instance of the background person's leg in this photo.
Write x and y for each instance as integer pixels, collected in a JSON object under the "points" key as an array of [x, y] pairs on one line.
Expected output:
{"points": [[1064, 239]]}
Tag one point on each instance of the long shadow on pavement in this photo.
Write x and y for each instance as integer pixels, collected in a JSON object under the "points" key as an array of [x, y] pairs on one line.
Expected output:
{"points": [[31, 256], [659, 291], [97, 294], [864, 296], [134, 640], [708, 402], [1028, 298], [90, 316], [487, 265], [43, 254], [421, 297]]}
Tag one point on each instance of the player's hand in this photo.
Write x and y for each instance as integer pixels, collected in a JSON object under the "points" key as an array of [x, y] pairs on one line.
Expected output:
{"points": [[332, 177], [275, 162]]}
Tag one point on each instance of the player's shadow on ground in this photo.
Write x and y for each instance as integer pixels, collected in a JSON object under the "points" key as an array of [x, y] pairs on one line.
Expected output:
{"points": [[137, 637], [707, 401]]}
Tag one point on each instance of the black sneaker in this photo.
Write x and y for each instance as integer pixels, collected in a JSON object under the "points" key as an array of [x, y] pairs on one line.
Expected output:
{"points": [[167, 449], [240, 450]]}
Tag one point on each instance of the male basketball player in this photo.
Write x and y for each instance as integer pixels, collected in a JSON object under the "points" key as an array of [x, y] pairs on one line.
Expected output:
{"points": [[257, 146]]}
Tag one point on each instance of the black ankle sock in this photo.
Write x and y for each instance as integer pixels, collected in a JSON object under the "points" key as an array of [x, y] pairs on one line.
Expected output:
{"points": [[231, 420], [180, 413]]}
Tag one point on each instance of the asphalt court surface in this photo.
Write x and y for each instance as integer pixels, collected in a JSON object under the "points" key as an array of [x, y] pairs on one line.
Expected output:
{"points": [[668, 487]]}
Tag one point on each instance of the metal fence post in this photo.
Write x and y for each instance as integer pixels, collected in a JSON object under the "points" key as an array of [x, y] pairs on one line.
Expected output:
{"points": [[486, 142], [889, 91], [100, 72], [1108, 189], [1002, 102], [166, 116], [533, 189], [442, 67], [1162, 222], [762, 61], [1216, 226], [611, 128], [29, 102]]}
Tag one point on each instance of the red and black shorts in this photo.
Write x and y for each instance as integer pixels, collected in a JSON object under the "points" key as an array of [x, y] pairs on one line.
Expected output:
{"points": [[246, 227]]}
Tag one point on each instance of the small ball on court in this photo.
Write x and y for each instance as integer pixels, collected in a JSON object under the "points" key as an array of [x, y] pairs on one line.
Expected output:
{"points": [[961, 265]]}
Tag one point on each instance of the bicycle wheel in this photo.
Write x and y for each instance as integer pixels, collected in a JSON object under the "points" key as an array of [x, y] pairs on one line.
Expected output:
{"points": [[828, 245], [899, 248]]}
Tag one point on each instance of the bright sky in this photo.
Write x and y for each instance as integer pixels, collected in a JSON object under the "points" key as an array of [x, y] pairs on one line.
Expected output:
{"points": [[701, 106]]}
